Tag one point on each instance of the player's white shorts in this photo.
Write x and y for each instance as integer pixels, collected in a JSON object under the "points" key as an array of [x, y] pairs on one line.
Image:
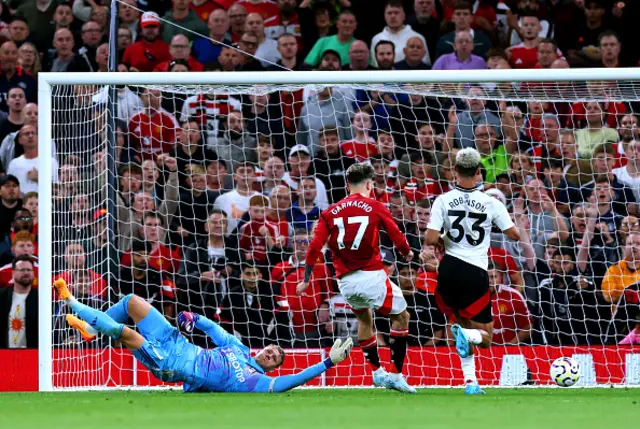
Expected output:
{"points": [[372, 289]]}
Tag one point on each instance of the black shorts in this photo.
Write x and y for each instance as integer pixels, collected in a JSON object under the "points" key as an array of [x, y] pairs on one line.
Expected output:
{"points": [[463, 289]]}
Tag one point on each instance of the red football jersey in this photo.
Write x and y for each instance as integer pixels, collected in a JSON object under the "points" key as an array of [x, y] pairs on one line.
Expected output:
{"points": [[523, 57], [162, 259], [352, 227], [415, 192], [153, 135], [274, 27], [612, 111], [510, 313], [359, 151], [98, 285], [266, 8], [204, 10], [146, 56], [503, 260], [253, 242]]}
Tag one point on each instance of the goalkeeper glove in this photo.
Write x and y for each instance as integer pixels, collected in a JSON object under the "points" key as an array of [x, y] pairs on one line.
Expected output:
{"points": [[340, 350], [187, 321]]}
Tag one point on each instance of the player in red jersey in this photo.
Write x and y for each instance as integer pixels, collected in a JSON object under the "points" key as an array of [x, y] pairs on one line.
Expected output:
{"points": [[351, 227]]}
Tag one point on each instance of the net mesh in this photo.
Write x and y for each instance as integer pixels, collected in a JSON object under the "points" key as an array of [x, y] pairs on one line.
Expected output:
{"points": [[185, 212]]}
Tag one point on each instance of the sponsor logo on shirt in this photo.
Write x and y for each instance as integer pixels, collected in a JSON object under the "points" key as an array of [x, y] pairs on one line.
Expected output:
{"points": [[235, 364]]}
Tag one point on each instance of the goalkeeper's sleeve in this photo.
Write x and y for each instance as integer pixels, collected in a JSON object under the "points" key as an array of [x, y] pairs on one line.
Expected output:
{"points": [[219, 336], [287, 382]]}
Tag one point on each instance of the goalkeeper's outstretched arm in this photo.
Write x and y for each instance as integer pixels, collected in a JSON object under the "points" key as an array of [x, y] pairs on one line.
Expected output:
{"points": [[220, 337], [338, 353]]}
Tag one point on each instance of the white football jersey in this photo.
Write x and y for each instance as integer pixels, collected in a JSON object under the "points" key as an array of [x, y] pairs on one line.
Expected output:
{"points": [[466, 216]]}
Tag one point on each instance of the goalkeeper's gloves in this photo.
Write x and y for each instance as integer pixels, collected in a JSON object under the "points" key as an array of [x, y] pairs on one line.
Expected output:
{"points": [[340, 350], [187, 321]]}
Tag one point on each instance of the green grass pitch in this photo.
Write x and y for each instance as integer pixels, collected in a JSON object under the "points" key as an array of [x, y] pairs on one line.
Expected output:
{"points": [[356, 408]]}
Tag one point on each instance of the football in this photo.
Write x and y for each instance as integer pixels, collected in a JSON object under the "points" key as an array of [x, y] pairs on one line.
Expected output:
{"points": [[565, 371]]}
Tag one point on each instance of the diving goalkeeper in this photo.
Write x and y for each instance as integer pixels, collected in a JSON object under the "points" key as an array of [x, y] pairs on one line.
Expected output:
{"points": [[170, 357]]}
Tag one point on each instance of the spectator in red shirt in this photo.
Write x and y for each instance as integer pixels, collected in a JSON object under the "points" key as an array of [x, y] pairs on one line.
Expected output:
{"points": [[611, 110], [180, 49], [381, 188], [525, 55], [286, 21], [23, 243], [511, 318], [75, 259], [421, 185], [310, 310], [144, 55], [363, 146], [266, 8], [153, 129], [203, 8], [259, 236]]}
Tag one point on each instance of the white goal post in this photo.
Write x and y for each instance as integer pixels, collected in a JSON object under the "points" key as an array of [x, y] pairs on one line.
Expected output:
{"points": [[409, 81]]}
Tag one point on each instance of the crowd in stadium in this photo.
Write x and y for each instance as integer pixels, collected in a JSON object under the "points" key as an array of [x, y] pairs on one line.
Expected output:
{"points": [[217, 194]]}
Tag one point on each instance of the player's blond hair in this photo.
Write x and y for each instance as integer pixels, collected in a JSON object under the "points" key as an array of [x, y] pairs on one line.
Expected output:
{"points": [[467, 162]]}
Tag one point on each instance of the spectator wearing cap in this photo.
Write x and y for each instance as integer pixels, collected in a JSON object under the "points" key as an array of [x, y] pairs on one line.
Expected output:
{"points": [[299, 167], [22, 243], [267, 52], [512, 320], [462, 57], [414, 52], [144, 55], [462, 18], [247, 311], [398, 32], [180, 49], [341, 42], [330, 164], [330, 61], [247, 60], [181, 19], [304, 211], [236, 203], [85, 59], [19, 308], [39, 15], [204, 49], [327, 108], [259, 236], [25, 167], [13, 75], [10, 202]]}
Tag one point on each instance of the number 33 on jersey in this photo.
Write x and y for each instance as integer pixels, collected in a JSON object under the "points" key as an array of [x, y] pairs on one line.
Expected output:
{"points": [[466, 217]]}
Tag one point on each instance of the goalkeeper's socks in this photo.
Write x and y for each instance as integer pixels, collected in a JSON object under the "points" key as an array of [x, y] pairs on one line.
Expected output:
{"points": [[398, 345], [98, 320], [469, 370], [120, 311], [474, 336], [370, 351]]}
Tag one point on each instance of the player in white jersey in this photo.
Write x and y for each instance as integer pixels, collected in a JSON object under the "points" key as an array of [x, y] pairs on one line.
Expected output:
{"points": [[463, 218]]}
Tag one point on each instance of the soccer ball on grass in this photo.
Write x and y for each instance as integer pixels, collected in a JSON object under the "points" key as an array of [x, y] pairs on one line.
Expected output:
{"points": [[565, 371]]}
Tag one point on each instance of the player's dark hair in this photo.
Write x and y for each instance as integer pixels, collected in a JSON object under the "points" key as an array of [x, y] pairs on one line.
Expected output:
{"points": [[300, 231], [25, 258], [359, 173]]}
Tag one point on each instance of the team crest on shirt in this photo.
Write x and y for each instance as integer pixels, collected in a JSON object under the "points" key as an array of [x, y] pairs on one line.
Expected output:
{"points": [[466, 196], [502, 308]]}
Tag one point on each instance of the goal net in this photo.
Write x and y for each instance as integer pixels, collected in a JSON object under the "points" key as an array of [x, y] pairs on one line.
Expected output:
{"points": [[199, 192]]}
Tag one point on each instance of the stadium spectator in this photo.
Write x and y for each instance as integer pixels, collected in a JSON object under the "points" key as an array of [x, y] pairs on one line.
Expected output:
{"points": [[29, 59], [39, 15], [547, 53], [628, 131], [330, 164], [280, 205], [237, 17], [75, 262], [125, 39], [340, 42], [495, 159], [272, 175], [265, 8], [583, 46], [10, 202], [236, 203], [236, 143], [19, 31], [285, 22], [145, 54], [25, 167], [629, 176], [264, 118], [595, 131], [181, 19], [623, 276], [381, 180], [267, 52], [420, 185], [423, 214], [142, 280], [208, 51], [16, 103], [426, 20], [462, 57], [402, 210], [19, 308], [30, 202], [247, 311], [204, 8], [328, 108], [153, 129], [363, 146], [191, 148], [248, 60], [398, 32], [461, 128], [304, 212], [525, 55], [13, 75], [414, 52], [195, 202], [308, 311], [180, 49], [258, 236], [299, 162], [564, 195], [462, 18], [102, 58], [288, 50], [521, 169], [610, 48], [85, 59], [359, 56], [512, 321], [64, 55], [208, 265], [129, 16], [384, 55], [22, 243]]}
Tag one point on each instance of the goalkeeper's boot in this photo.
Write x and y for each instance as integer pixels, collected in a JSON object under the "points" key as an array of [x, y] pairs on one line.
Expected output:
{"points": [[462, 343], [381, 378], [80, 326], [62, 290], [397, 382], [473, 389]]}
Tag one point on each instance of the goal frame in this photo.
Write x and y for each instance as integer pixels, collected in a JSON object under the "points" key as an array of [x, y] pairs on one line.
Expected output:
{"points": [[47, 80]]}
